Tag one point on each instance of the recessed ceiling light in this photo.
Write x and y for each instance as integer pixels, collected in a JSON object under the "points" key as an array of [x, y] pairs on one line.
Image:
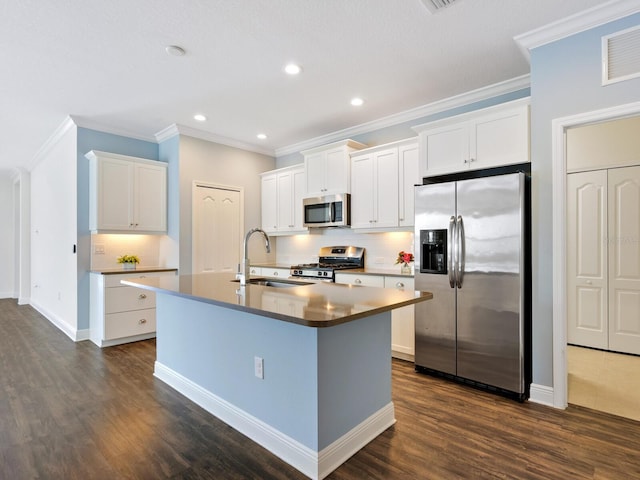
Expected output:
{"points": [[261, 136], [175, 50], [293, 69], [199, 117], [356, 102]]}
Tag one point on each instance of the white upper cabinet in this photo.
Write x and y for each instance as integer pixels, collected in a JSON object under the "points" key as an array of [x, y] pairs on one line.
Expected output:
{"points": [[126, 194], [282, 194], [328, 168], [482, 139], [382, 180]]}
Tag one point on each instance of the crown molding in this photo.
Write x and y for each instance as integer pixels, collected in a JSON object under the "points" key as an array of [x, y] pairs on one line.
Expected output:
{"points": [[484, 93], [176, 129], [92, 125], [62, 129], [580, 22]]}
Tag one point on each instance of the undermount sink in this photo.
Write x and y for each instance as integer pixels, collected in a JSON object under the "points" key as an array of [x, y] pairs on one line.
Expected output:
{"points": [[274, 283]]}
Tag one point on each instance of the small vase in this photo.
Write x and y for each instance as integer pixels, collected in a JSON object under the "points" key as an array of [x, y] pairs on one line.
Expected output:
{"points": [[129, 266], [405, 269]]}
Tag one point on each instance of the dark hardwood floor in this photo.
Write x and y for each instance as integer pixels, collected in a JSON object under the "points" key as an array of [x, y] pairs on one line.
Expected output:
{"points": [[74, 411]]}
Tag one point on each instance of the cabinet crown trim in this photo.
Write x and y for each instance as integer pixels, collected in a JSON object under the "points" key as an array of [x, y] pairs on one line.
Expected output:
{"points": [[463, 117], [385, 146], [342, 143], [290, 168], [97, 155]]}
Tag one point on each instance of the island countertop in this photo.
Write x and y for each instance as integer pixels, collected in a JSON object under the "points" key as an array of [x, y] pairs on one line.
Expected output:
{"points": [[314, 305]]}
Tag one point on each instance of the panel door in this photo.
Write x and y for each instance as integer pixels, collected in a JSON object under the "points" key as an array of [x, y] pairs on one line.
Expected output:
{"points": [[115, 183], [269, 203], [445, 149], [299, 192], [386, 186], [362, 191], [285, 202], [216, 230], [490, 323], [150, 198], [587, 278], [500, 139], [624, 260], [337, 177], [408, 177], [316, 168]]}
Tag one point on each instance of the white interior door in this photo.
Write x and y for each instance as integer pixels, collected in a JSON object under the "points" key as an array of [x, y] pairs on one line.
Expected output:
{"points": [[217, 216], [587, 309], [624, 260]]}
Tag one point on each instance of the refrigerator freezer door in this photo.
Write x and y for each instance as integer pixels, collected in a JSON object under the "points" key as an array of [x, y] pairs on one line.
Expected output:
{"points": [[435, 321], [490, 303]]}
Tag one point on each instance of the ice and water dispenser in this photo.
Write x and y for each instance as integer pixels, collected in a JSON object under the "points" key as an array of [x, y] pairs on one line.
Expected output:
{"points": [[433, 253]]}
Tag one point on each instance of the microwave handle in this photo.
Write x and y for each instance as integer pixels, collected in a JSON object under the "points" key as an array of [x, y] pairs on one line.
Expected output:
{"points": [[332, 211]]}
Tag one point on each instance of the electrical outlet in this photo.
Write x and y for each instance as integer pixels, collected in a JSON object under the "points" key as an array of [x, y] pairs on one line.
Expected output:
{"points": [[98, 249], [258, 366]]}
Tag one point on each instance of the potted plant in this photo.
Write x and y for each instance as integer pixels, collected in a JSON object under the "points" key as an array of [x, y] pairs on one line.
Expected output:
{"points": [[405, 258], [129, 262]]}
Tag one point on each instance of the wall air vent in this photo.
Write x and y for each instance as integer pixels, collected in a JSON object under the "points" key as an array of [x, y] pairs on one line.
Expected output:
{"points": [[435, 5], [621, 56]]}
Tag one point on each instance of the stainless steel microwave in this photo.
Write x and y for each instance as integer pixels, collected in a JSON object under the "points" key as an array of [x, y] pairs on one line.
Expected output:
{"points": [[327, 211]]}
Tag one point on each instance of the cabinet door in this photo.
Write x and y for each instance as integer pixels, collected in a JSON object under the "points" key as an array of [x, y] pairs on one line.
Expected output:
{"points": [[316, 168], [386, 189], [444, 149], [402, 321], [285, 202], [500, 139], [150, 198], [624, 260], [587, 309], [362, 192], [408, 177], [299, 192], [337, 178], [114, 200], [270, 203]]}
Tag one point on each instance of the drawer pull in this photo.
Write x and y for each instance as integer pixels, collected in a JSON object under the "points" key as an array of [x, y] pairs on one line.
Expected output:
{"points": [[142, 321], [357, 281], [142, 296], [400, 285]]}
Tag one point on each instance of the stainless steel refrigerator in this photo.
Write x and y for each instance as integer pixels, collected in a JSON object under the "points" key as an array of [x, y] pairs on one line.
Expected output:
{"points": [[472, 251]]}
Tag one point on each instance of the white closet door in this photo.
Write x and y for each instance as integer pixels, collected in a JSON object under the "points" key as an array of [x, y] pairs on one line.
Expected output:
{"points": [[216, 230], [624, 260], [587, 308]]}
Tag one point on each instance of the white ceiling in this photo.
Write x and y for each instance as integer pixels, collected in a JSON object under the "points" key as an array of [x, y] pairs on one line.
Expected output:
{"points": [[104, 63]]}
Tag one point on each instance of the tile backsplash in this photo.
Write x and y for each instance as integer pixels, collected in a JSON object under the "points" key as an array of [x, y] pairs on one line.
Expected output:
{"points": [[146, 247]]}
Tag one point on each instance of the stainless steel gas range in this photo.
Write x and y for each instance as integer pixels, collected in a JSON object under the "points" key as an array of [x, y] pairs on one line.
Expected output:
{"points": [[330, 259]]}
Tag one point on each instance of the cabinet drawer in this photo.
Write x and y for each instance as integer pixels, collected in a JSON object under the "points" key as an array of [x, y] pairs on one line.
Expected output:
{"points": [[364, 280], [275, 272], [122, 299], [401, 283], [114, 280], [127, 324]]}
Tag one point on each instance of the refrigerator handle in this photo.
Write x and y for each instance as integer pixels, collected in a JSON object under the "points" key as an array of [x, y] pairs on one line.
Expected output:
{"points": [[461, 251], [451, 243]]}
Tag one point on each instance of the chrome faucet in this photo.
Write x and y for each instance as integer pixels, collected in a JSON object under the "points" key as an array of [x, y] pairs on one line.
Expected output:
{"points": [[245, 267]]}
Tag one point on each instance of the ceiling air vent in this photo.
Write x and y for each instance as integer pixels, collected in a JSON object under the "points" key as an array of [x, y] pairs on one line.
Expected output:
{"points": [[435, 5], [621, 56]]}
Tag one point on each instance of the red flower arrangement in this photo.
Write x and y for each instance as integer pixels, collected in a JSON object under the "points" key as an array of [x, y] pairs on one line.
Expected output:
{"points": [[405, 258]]}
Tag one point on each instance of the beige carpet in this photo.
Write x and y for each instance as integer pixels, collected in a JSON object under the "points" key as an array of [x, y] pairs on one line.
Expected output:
{"points": [[605, 381]]}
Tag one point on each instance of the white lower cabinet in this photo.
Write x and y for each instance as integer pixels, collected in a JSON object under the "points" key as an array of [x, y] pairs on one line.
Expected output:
{"points": [[274, 272], [402, 319], [118, 313]]}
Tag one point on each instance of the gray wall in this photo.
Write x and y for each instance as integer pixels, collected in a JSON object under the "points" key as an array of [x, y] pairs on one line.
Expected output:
{"points": [[565, 80]]}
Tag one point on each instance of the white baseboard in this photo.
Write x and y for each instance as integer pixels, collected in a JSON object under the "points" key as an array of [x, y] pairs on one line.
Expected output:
{"points": [[7, 295], [82, 335], [316, 465], [24, 300], [67, 329], [541, 394]]}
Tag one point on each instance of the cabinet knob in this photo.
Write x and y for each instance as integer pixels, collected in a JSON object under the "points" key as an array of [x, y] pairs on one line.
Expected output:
{"points": [[357, 281], [400, 285], [589, 282], [142, 296], [142, 321], [275, 274], [472, 160]]}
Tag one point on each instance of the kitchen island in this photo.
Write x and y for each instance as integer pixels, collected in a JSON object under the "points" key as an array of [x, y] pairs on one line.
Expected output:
{"points": [[304, 370]]}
